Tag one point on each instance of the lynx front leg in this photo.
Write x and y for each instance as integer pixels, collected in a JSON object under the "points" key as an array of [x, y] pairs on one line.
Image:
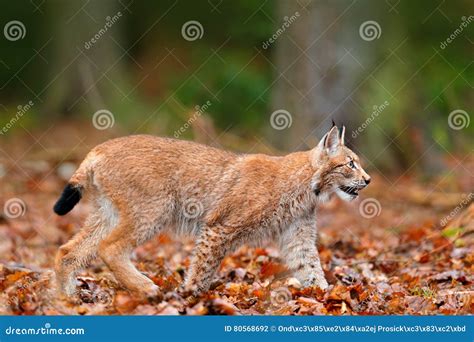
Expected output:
{"points": [[211, 248], [299, 249]]}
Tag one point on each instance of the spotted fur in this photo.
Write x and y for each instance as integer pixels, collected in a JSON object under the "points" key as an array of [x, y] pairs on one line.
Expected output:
{"points": [[142, 185]]}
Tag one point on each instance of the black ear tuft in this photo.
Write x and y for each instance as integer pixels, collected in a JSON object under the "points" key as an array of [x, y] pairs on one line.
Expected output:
{"points": [[333, 123]]}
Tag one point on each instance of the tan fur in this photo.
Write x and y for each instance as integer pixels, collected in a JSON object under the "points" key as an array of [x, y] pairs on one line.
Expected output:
{"points": [[141, 185]]}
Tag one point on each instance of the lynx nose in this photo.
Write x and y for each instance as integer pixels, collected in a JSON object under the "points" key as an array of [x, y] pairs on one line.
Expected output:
{"points": [[367, 181]]}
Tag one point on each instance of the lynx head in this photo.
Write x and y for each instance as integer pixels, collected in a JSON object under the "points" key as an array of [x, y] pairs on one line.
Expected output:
{"points": [[337, 168]]}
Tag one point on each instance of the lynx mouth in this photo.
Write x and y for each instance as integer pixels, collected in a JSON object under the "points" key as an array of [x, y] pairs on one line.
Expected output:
{"points": [[350, 190]]}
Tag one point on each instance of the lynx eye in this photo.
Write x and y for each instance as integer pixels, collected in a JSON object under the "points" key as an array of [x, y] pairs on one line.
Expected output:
{"points": [[351, 164]]}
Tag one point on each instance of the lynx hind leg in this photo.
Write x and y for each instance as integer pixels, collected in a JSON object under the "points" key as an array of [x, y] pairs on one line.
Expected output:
{"points": [[78, 252], [115, 251], [213, 245]]}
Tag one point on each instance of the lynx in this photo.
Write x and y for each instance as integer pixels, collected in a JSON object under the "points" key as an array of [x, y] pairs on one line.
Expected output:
{"points": [[142, 185]]}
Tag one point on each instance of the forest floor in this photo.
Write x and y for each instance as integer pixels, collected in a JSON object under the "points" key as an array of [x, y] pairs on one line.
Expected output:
{"points": [[395, 250]]}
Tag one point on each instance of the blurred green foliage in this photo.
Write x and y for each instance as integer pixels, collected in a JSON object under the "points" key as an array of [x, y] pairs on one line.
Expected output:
{"points": [[231, 72]]}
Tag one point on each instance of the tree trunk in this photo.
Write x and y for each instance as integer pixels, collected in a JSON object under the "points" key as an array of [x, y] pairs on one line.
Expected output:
{"points": [[78, 80], [316, 74]]}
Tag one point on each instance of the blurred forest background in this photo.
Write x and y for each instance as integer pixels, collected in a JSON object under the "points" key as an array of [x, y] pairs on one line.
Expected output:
{"points": [[318, 67], [249, 76]]}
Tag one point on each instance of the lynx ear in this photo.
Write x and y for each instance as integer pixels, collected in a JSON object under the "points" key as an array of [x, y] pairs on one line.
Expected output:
{"points": [[342, 133], [332, 142], [322, 142]]}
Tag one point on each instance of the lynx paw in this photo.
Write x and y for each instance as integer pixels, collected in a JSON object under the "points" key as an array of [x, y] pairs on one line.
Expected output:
{"points": [[154, 294]]}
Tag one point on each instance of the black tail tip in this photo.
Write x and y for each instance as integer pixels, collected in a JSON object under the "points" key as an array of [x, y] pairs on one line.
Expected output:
{"points": [[69, 198]]}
